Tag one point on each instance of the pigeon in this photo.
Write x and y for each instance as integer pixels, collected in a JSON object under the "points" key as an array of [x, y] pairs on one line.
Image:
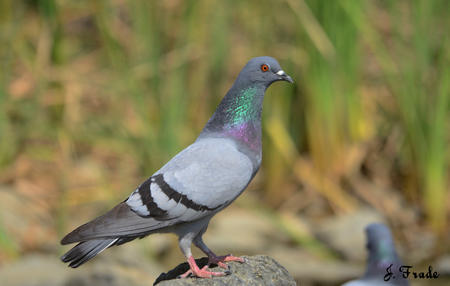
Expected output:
{"points": [[196, 184], [383, 263]]}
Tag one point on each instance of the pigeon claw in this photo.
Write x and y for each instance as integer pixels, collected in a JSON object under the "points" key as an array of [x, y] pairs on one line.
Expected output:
{"points": [[219, 260], [200, 273], [222, 265], [230, 257]]}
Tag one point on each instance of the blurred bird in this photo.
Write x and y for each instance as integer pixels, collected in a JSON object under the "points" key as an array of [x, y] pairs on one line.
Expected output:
{"points": [[383, 262], [197, 183]]}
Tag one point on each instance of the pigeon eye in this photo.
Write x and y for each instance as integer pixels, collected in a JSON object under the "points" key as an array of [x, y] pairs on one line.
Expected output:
{"points": [[264, 67]]}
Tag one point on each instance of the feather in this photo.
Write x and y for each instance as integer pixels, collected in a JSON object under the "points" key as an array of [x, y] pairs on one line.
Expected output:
{"points": [[86, 250], [121, 221]]}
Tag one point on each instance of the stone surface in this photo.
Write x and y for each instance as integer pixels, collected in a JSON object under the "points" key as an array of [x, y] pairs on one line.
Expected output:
{"points": [[257, 270]]}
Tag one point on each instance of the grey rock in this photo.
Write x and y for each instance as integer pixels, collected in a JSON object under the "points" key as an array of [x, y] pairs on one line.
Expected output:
{"points": [[257, 270]]}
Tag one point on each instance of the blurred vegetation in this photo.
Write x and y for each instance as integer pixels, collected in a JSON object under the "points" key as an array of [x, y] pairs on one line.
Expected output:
{"points": [[96, 95]]}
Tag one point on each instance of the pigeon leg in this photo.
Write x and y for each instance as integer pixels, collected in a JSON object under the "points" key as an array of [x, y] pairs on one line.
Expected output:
{"points": [[213, 258], [185, 245]]}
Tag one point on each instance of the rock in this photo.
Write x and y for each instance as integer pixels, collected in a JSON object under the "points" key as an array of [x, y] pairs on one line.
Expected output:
{"points": [[257, 270]]}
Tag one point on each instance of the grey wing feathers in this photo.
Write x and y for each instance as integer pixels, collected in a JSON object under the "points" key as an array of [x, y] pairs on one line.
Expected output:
{"points": [[155, 198], [121, 221]]}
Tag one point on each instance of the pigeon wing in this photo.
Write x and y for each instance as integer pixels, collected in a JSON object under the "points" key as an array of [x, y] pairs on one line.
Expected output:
{"points": [[199, 181]]}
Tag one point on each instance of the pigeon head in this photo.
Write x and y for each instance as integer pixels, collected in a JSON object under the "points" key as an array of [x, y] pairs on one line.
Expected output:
{"points": [[238, 115], [262, 70]]}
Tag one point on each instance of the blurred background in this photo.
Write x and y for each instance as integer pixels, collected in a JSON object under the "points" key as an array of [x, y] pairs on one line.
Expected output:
{"points": [[96, 95]]}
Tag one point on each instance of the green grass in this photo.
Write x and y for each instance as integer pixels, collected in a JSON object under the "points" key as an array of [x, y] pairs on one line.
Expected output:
{"points": [[415, 67]]}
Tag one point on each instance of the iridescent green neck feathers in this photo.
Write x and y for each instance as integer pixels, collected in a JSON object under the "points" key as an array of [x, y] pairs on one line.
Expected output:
{"points": [[243, 108], [239, 116]]}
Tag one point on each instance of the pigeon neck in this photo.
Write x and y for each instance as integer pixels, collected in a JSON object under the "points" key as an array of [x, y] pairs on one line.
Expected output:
{"points": [[383, 256], [239, 116]]}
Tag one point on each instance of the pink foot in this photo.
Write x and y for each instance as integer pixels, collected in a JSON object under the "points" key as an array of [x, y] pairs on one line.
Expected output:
{"points": [[219, 260], [201, 273]]}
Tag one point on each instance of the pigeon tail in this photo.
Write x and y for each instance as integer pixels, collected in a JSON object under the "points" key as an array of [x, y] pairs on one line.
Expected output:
{"points": [[86, 250]]}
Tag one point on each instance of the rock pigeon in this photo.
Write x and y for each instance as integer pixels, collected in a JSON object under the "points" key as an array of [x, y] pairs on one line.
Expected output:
{"points": [[197, 183], [383, 262]]}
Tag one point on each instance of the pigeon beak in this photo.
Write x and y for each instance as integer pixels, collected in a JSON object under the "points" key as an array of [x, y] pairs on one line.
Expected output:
{"points": [[283, 76]]}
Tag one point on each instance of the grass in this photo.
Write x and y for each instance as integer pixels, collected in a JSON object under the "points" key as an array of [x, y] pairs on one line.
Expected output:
{"points": [[415, 68], [124, 85]]}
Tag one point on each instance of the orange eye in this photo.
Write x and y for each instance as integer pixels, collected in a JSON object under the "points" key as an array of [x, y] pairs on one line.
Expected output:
{"points": [[264, 67]]}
